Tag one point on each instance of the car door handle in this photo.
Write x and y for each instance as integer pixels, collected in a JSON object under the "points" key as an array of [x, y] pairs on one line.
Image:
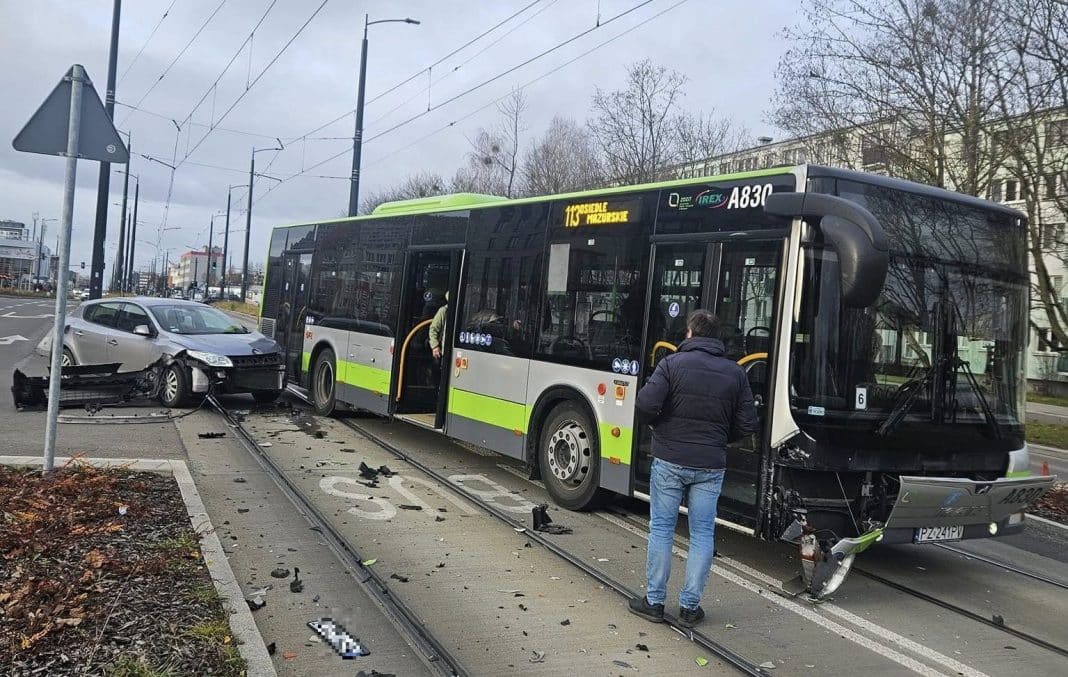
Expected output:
{"points": [[79, 332], [113, 342]]}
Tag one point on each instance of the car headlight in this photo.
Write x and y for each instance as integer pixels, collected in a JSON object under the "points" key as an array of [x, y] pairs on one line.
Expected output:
{"points": [[210, 358]]}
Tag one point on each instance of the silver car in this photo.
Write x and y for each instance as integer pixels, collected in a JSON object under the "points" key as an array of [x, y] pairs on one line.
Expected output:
{"points": [[203, 348]]}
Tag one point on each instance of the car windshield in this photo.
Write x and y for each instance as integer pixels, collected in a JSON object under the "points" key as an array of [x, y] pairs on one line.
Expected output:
{"points": [[188, 319]]}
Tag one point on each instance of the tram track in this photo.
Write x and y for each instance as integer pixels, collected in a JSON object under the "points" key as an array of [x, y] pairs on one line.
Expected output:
{"points": [[437, 658], [1002, 565], [728, 655]]}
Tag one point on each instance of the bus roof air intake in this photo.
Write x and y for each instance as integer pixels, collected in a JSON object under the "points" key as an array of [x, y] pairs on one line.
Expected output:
{"points": [[853, 232]]}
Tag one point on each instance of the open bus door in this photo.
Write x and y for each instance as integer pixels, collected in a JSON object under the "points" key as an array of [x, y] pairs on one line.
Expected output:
{"points": [[292, 311], [421, 383], [738, 282]]}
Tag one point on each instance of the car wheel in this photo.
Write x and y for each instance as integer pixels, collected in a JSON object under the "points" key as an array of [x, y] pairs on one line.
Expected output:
{"points": [[174, 386], [68, 358], [266, 396], [324, 383], [570, 459]]}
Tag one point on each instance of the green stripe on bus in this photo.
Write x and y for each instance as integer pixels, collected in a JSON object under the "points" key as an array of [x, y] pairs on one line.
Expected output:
{"points": [[358, 375], [1018, 473], [617, 448], [305, 362], [501, 413]]}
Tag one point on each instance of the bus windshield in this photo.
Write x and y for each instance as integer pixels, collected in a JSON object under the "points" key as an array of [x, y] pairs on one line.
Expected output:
{"points": [[942, 345]]}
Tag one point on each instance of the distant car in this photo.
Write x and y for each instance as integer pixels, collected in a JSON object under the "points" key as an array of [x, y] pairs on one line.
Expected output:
{"points": [[206, 348]]}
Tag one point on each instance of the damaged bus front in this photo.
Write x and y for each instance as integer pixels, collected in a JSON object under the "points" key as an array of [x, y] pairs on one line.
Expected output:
{"points": [[906, 377]]}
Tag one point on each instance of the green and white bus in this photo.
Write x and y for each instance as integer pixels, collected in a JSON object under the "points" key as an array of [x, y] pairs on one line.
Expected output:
{"points": [[882, 324]]}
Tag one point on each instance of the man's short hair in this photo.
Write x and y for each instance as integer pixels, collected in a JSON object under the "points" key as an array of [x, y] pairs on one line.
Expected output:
{"points": [[702, 323]]}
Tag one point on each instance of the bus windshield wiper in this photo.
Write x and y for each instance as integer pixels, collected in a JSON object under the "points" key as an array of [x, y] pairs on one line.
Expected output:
{"points": [[988, 412], [906, 396]]}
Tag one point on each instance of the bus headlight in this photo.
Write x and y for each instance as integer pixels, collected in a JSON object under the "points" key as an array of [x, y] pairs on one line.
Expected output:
{"points": [[992, 528]]}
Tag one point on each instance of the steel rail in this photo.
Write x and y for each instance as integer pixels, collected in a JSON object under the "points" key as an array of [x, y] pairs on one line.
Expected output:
{"points": [[437, 658], [742, 664], [1002, 565]]}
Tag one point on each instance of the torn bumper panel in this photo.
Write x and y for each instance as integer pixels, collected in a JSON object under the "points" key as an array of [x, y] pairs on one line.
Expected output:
{"points": [[950, 508]]}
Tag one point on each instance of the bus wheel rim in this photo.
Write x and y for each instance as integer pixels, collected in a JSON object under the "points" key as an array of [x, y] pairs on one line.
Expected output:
{"points": [[569, 453], [324, 384]]}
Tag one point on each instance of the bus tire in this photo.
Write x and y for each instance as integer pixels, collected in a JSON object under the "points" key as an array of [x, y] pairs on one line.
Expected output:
{"points": [[569, 457], [324, 383]]}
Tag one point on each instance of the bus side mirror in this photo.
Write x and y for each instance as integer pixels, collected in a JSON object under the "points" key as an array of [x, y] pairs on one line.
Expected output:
{"points": [[853, 232]]}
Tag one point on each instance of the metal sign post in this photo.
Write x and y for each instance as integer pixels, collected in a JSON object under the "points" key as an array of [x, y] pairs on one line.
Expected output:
{"points": [[88, 134]]}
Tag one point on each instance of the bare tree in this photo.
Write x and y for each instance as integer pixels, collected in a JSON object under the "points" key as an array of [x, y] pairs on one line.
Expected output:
{"points": [[492, 165], [912, 80], [564, 159], [423, 184], [701, 136], [634, 125]]}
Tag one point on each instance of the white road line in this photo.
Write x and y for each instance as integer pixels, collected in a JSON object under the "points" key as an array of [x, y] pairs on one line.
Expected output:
{"points": [[805, 612], [847, 616]]}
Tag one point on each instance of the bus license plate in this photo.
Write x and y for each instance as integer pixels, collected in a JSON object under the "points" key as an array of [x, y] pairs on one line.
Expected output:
{"points": [[931, 534]]}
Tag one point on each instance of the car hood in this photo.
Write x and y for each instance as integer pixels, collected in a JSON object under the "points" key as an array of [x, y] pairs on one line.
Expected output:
{"points": [[253, 343]]}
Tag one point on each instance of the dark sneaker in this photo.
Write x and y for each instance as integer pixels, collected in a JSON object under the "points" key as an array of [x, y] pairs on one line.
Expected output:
{"points": [[650, 612], [691, 617]]}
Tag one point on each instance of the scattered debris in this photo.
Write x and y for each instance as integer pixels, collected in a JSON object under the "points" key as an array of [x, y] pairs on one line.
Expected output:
{"points": [[384, 470], [336, 636], [398, 577], [642, 647], [369, 562], [537, 656], [375, 673], [272, 648], [729, 626], [315, 599], [439, 518], [566, 621], [289, 655], [999, 620], [266, 444], [242, 510], [348, 450], [768, 665], [441, 565], [256, 603], [602, 559], [211, 436], [701, 660], [319, 434], [296, 585], [404, 506], [367, 472], [122, 509], [542, 521], [624, 664], [240, 480], [280, 573], [523, 607]]}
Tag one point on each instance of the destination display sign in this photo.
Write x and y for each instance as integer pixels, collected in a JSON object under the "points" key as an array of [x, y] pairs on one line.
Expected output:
{"points": [[602, 212]]}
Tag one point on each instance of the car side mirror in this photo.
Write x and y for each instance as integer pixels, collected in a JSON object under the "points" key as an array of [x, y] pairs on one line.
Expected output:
{"points": [[142, 330]]}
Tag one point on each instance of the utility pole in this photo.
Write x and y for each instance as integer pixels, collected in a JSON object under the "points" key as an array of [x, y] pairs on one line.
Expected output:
{"points": [[133, 236], [207, 281], [120, 264], [248, 216], [96, 272]]}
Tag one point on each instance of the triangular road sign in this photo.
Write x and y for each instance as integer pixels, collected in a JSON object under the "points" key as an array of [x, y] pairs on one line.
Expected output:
{"points": [[46, 132]]}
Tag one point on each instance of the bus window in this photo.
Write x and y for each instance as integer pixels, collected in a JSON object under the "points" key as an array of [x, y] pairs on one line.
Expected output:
{"points": [[594, 302]]}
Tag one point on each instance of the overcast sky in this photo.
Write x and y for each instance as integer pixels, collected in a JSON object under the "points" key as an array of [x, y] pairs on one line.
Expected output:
{"points": [[729, 50]]}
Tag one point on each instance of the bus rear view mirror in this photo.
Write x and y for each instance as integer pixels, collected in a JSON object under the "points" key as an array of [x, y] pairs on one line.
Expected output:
{"points": [[854, 234]]}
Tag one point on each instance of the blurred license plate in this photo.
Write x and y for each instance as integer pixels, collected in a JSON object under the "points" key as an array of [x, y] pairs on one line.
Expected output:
{"points": [[929, 534]]}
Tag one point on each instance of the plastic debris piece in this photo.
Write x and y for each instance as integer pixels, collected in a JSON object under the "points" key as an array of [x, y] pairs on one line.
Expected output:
{"points": [[624, 664], [544, 523], [566, 621], [319, 434], [296, 585], [441, 565], [998, 620], [520, 530], [537, 656], [701, 660], [386, 471], [809, 666], [375, 673], [523, 607], [768, 665], [348, 450], [403, 506], [256, 603], [266, 444], [730, 625], [122, 509], [642, 647], [510, 592], [211, 436], [602, 559], [289, 655], [367, 472], [369, 562], [439, 518], [240, 480], [554, 578], [316, 599], [271, 648], [336, 636], [398, 577], [280, 573]]}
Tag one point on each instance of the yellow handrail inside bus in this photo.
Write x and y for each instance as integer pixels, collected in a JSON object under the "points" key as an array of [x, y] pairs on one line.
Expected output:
{"points": [[657, 346], [752, 357], [404, 353]]}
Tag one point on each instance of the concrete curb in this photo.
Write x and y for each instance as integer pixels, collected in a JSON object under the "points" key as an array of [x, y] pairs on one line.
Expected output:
{"points": [[1045, 525], [248, 638], [1047, 449]]}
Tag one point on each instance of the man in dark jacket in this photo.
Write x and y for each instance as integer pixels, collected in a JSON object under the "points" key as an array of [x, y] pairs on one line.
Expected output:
{"points": [[698, 402]]}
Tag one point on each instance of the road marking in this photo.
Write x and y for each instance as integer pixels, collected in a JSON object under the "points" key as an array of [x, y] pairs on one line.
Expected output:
{"points": [[847, 616], [8, 340], [808, 613], [13, 316]]}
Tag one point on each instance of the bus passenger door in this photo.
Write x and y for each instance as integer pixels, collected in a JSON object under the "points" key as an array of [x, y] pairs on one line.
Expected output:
{"points": [[421, 383], [746, 291], [289, 330]]}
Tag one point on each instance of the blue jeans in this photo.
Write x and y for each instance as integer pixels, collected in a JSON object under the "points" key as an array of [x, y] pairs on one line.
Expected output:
{"points": [[669, 484]]}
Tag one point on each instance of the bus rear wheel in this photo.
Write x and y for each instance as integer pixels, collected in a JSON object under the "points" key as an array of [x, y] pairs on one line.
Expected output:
{"points": [[324, 383], [570, 459]]}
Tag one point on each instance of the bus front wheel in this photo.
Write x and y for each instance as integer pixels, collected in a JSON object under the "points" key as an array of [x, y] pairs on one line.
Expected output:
{"points": [[570, 459], [324, 383]]}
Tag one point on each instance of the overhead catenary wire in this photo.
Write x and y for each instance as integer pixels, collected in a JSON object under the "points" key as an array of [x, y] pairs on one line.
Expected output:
{"points": [[147, 40]]}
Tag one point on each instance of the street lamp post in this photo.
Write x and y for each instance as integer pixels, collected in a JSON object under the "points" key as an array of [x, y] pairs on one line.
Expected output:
{"points": [[226, 236], [120, 261], [133, 236], [357, 140], [211, 254], [248, 214]]}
